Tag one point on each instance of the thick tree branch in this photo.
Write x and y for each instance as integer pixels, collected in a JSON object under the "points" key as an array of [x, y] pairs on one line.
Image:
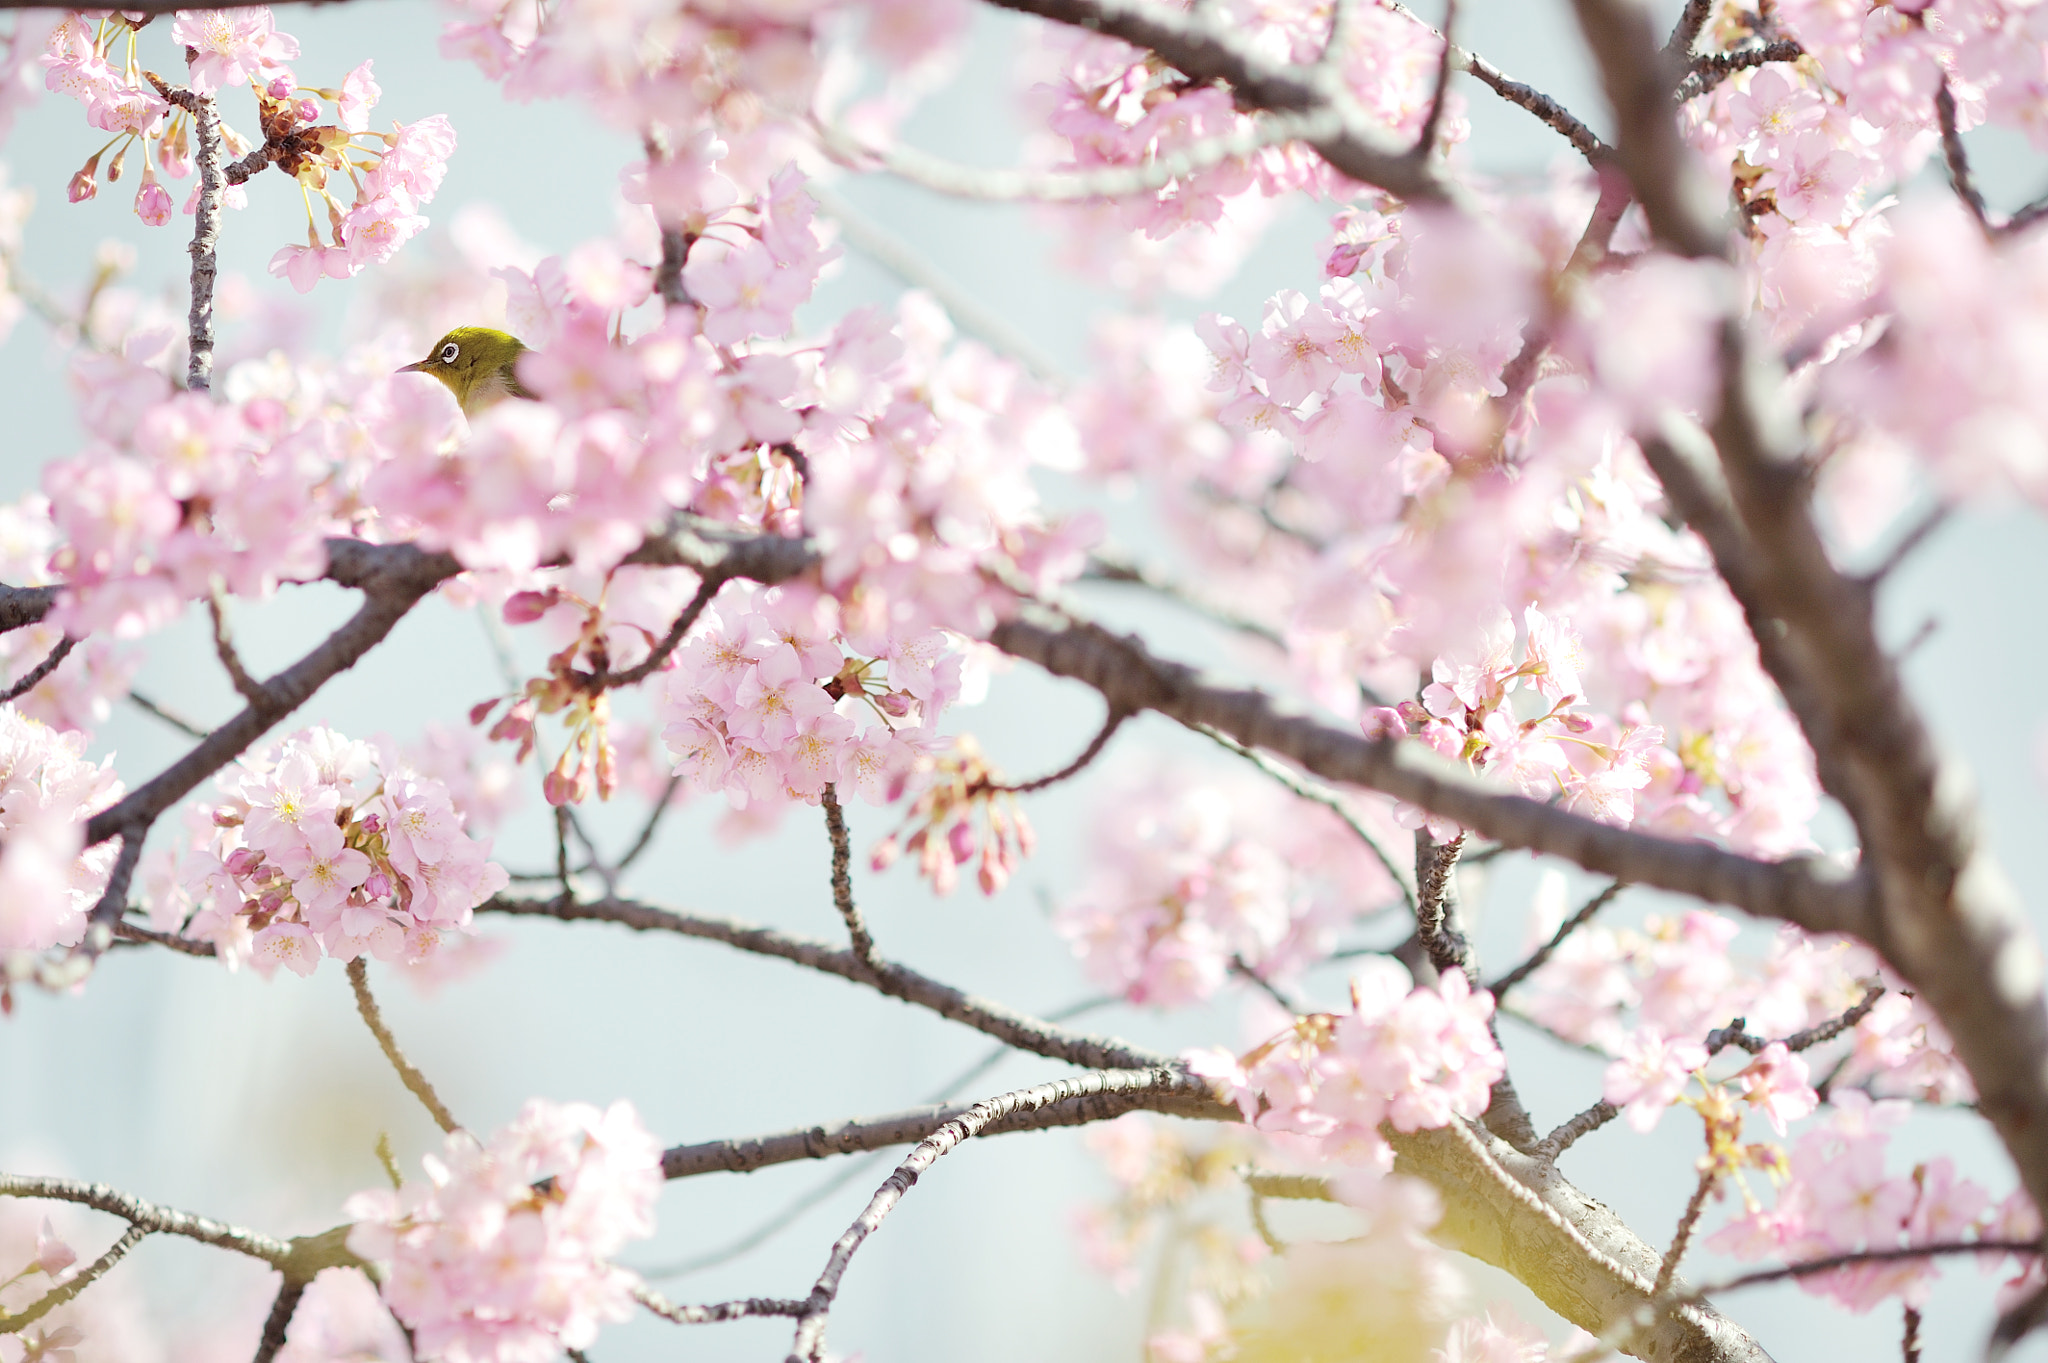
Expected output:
{"points": [[1801, 891], [1942, 912]]}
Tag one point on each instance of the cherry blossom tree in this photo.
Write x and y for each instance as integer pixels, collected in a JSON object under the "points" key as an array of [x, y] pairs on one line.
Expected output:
{"points": [[1549, 524]]}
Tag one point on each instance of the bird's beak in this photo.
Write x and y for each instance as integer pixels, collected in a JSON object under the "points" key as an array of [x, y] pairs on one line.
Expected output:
{"points": [[416, 367]]}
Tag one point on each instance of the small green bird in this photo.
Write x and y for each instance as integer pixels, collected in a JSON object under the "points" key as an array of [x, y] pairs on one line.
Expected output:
{"points": [[479, 365]]}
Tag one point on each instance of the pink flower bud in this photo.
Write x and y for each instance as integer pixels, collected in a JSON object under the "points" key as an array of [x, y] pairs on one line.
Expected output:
{"points": [[281, 88], [481, 711], [1027, 836], [153, 203], [993, 875], [523, 608], [243, 861], [556, 788], [1381, 722], [960, 841], [373, 823], [378, 886], [83, 186], [309, 111], [895, 704]]}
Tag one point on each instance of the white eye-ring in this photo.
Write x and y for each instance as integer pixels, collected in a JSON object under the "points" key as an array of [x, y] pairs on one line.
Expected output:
{"points": [[449, 352]]}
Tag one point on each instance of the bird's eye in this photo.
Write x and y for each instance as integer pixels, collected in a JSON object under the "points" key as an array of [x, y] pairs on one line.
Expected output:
{"points": [[449, 352]]}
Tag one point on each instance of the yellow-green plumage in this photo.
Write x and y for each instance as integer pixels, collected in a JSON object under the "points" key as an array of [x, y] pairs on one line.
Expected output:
{"points": [[479, 365]]}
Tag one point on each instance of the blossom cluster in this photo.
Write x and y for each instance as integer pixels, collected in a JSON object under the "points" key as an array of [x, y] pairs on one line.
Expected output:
{"points": [[485, 1263], [1413, 1058], [1196, 878], [323, 845], [1358, 469], [392, 174], [1837, 1197], [769, 702], [49, 879], [750, 76], [1650, 995]]}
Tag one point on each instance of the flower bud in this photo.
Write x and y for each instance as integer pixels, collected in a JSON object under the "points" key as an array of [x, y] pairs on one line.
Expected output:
{"points": [[85, 184], [960, 841], [523, 608], [885, 854]]}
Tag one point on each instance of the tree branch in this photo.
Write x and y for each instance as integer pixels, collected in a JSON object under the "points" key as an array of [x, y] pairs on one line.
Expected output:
{"points": [[745, 1309], [1941, 910], [896, 981], [1568, 1132], [408, 1073], [1567, 928], [206, 155], [1111, 722], [809, 1343], [745, 1154], [65, 1291], [842, 879], [279, 1320], [1204, 52], [1802, 891], [33, 678], [1957, 157], [302, 1257]]}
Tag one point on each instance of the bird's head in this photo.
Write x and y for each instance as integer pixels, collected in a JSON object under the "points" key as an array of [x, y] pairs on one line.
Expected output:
{"points": [[478, 364]]}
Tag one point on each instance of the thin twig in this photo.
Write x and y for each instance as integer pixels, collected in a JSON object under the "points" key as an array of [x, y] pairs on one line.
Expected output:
{"points": [[1957, 157], [842, 879], [1709, 69], [896, 981], [747, 1308], [1010, 186], [170, 717], [1242, 969], [1734, 1035], [224, 647], [1523, 96], [71, 1287], [1568, 1133], [911, 266], [1446, 62], [652, 663], [654, 815], [189, 946], [1259, 1224], [1322, 795], [1565, 929], [359, 980], [809, 1343], [1104, 567], [1909, 1343], [33, 678], [1697, 1203], [1932, 520], [1111, 722]]}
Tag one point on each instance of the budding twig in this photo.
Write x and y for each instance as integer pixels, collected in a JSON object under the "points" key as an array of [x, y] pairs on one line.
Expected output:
{"points": [[842, 878]]}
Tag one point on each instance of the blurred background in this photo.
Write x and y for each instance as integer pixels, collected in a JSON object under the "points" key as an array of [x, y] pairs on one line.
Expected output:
{"points": [[261, 1102]]}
